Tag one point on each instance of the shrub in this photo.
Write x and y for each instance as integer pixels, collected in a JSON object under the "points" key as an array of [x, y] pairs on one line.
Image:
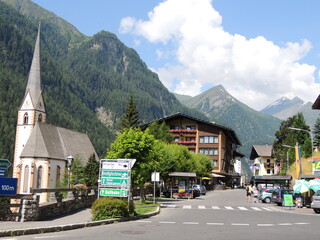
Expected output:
{"points": [[107, 208]]}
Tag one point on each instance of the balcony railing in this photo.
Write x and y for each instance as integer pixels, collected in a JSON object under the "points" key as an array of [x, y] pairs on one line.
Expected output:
{"points": [[183, 130], [186, 142]]}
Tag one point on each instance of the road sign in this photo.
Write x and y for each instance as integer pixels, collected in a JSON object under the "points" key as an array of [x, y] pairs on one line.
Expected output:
{"points": [[114, 174], [8, 186], [2, 172], [4, 163], [112, 192], [115, 182]]}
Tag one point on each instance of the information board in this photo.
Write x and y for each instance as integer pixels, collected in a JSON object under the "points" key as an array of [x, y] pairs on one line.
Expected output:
{"points": [[112, 192], [288, 200]]}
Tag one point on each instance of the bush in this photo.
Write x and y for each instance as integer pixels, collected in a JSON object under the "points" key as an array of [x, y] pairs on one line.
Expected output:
{"points": [[107, 208]]}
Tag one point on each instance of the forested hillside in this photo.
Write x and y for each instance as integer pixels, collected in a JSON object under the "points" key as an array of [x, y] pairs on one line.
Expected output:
{"points": [[86, 81]]}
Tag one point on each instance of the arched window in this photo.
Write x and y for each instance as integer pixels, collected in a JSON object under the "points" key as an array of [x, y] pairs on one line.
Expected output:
{"points": [[26, 179], [58, 175], [25, 118], [40, 118], [39, 177]]}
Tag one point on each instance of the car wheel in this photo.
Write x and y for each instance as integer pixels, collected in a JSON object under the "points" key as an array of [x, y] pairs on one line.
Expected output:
{"points": [[267, 200], [316, 210]]}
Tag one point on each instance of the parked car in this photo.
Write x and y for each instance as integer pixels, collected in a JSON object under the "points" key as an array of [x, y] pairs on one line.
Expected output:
{"points": [[315, 204], [277, 195], [167, 193], [201, 188], [266, 195], [195, 192]]}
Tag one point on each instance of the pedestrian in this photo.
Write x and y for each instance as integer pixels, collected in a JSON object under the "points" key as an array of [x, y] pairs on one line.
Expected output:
{"points": [[248, 192], [255, 194]]}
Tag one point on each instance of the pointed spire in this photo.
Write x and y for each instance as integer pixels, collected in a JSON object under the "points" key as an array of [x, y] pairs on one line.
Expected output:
{"points": [[34, 80]]}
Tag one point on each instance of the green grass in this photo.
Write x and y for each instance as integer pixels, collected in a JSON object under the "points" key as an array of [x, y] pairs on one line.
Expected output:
{"points": [[146, 207]]}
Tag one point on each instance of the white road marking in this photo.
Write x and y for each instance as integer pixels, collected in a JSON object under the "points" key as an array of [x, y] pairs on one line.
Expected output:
{"points": [[167, 222], [285, 224], [256, 209], [268, 209], [302, 223], [215, 207], [202, 207], [46, 237], [144, 221], [171, 206], [216, 224], [194, 223], [240, 224], [265, 224], [243, 208], [187, 206], [229, 208]]}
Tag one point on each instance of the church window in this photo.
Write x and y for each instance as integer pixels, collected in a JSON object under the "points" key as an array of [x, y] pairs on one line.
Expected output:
{"points": [[26, 179], [39, 179], [58, 175], [25, 118], [40, 118]]}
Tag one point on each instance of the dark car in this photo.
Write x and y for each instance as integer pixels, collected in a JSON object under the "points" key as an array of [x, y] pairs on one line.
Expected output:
{"points": [[277, 195], [195, 192]]}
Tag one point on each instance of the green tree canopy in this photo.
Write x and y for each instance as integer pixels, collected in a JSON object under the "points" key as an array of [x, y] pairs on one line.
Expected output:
{"points": [[130, 119], [161, 131]]}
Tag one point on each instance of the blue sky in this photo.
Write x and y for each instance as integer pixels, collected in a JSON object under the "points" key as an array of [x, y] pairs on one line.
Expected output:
{"points": [[258, 50]]}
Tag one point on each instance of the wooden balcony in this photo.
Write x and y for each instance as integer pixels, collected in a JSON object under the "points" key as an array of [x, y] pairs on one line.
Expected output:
{"points": [[186, 142]]}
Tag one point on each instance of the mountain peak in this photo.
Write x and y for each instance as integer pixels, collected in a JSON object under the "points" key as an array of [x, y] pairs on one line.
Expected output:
{"points": [[281, 104]]}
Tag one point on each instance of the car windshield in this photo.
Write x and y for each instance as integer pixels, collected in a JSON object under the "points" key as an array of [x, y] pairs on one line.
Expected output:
{"points": [[317, 193]]}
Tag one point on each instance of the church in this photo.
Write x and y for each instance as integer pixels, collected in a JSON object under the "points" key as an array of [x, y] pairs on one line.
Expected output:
{"points": [[41, 150]]}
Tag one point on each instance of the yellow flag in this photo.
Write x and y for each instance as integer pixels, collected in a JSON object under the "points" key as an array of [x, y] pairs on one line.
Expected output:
{"points": [[298, 159]]}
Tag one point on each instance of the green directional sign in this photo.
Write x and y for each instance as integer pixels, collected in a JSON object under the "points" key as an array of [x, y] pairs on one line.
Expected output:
{"points": [[114, 174], [123, 182], [109, 192], [4, 163]]}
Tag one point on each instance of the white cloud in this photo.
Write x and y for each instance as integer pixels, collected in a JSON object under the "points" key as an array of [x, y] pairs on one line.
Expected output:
{"points": [[255, 71]]}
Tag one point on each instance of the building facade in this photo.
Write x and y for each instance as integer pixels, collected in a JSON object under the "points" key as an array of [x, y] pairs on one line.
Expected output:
{"points": [[215, 141], [264, 163], [41, 150]]}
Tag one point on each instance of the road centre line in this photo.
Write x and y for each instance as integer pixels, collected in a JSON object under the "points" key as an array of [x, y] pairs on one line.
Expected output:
{"points": [[144, 221], [240, 224], [285, 224], [265, 224], [302, 223], [215, 207], [194, 223], [167, 222], [216, 224]]}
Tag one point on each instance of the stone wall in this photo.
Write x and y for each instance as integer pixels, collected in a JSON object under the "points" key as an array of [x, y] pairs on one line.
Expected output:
{"points": [[33, 211]]}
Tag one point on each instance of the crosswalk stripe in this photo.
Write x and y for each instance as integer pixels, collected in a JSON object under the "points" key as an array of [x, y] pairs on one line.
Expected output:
{"points": [[243, 208], [215, 207], [256, 209], [186, 206], [171, 206], [267, 209], [201, 207], [229, 208]]}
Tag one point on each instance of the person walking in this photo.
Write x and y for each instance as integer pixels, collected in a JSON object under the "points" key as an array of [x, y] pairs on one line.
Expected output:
{"points": [[249, 191], [255, 194]]}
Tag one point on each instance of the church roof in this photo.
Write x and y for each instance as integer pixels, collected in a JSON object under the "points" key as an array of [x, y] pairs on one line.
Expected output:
{"points": [[47, 141], [261, 151], [34, 80]]}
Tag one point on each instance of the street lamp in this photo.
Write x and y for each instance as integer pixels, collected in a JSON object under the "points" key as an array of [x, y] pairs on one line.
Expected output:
{"points": [[287, 165], [69, 163], [309, 132]]}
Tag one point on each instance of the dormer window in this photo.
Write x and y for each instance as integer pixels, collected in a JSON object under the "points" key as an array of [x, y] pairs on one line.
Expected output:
{"points": [[25, 118]]}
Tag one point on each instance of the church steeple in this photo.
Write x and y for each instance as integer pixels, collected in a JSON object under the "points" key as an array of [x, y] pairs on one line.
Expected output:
{"points": [[33, 88]]}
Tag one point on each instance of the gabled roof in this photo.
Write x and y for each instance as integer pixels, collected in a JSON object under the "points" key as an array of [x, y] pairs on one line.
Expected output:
{"points": [[47, 141], [316, 104], [228, 131], [261, 151]]}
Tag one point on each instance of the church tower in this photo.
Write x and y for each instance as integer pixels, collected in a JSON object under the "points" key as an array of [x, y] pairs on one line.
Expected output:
{"points": [[32, 110]]}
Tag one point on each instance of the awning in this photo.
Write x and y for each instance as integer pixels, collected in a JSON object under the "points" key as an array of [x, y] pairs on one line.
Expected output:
{"points": [[216, 175]]}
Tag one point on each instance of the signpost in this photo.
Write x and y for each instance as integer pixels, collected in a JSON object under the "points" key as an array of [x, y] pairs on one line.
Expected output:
{"points": [[4, 164], [115, 177], [8, 186], [155, 177]]}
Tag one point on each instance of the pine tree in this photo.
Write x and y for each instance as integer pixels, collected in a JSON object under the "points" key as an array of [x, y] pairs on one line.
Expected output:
{"points": [[130, 119], [316, 133], [91, 172]]}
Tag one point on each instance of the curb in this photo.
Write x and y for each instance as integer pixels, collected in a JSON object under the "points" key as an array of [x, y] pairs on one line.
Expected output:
{"points": [[27, 231]]}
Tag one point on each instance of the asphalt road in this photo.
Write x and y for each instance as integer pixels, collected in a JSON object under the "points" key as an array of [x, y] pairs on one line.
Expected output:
{"points": [[218, 215]]}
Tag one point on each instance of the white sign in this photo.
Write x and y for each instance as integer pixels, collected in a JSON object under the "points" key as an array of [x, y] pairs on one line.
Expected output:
{"points": [[117, 164], [155, 177]]}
